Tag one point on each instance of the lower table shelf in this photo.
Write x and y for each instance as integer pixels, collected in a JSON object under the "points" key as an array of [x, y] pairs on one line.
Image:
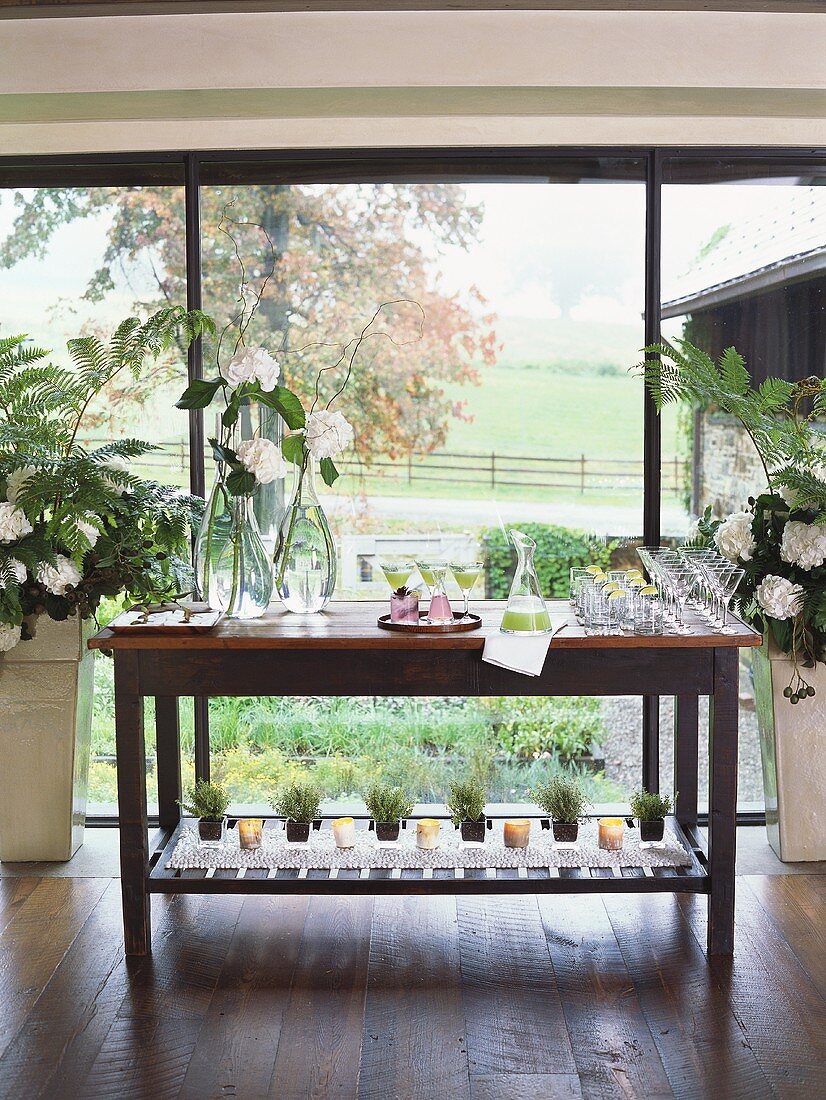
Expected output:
{"points": [[692, 878]]}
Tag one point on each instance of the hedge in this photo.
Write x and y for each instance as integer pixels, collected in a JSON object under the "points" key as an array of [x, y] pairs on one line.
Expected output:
{"points": [[557, 549]]}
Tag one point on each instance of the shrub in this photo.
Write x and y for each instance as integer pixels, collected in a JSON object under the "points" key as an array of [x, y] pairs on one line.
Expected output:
{"points": [[649, 807], [386, 804], [298, 802], [466, 802], [557, 549], [206, 801], [530, 728], [561, 798]]}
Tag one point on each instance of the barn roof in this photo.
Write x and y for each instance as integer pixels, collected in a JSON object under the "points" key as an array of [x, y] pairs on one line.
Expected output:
{"points": [[757, 254]]}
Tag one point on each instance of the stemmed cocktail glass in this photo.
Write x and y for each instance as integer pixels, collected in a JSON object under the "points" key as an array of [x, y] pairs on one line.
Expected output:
{"points": [[397, 571], [466, 574]]}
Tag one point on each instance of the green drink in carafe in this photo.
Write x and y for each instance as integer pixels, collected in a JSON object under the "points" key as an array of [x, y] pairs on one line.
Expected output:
{"points": [[526, 612]]}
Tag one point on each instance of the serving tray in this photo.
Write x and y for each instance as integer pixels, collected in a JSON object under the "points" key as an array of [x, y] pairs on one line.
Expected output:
{"points": [[460, 624]]}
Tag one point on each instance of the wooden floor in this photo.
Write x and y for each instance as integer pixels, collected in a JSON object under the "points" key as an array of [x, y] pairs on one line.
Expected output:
{"points": [[406, 997]]}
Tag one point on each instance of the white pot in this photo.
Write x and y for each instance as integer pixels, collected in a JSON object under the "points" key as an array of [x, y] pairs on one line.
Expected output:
{"points": [[46, 691], [793, 749]]}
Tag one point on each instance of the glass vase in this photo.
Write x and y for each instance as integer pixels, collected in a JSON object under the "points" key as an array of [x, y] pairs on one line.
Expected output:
{"points": [[305, 558], [213, 535], [242, 577]]}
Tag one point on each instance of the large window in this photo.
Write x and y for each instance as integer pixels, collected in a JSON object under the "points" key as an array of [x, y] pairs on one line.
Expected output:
{"points": [[539, 275]]}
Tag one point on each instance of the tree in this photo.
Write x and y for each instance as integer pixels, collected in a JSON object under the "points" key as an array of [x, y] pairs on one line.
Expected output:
{"points": [[337, 252]]}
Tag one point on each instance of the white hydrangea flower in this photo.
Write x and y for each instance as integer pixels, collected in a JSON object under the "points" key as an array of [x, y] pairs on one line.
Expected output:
{"points": [[778, 597], [16, 480], [119, 465], [803, 544], [693, 531], [734, 537], [328, 433], [60, 576], [91, 533], [253, 365], [18, 569], [263, 458], [13, 523], [9, 637]]}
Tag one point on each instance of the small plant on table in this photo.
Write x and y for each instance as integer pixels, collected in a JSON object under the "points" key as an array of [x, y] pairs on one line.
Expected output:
{"points": [[466, 805], [388, 806], [208, 802], [564, 801], [298, 804], [650, 810]]}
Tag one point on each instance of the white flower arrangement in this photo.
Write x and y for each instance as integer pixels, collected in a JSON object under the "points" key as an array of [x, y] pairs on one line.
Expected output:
{"points": [[328, 433], [14, 524], [803, 544], [263, 459], [251, 365], [735, 537], [778, 597], [60, 577]]}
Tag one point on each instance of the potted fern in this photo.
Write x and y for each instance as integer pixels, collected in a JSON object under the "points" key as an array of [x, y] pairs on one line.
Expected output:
{"points": [[650, 810], [387, 806], [564, 801], [208, 802], [466, 806], [76, 525], [779, 540], [298, 803]]}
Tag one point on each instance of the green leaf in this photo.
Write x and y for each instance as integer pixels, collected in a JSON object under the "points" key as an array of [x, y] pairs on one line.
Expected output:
{"points": [[241, 482], [229, 417], [292, 448], [199, 393], [329, 473], [224, 454], [285, 403]]}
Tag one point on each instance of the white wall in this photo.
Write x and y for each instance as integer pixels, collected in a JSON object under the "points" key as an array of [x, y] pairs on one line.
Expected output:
{"points": [[445, 77]]}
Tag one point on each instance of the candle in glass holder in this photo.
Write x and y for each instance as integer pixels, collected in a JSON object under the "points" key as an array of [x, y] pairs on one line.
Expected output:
{"points": [[517, 833], [611, 830], [427, 832], [344, 830], [250, 831]]}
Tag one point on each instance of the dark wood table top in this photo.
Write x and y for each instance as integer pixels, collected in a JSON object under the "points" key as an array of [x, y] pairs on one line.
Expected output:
{"points": [[352, 625]]}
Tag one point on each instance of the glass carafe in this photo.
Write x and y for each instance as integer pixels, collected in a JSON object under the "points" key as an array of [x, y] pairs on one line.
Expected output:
{"points": [[440, 611], [526, 612], [305, 556], [241, 581]]}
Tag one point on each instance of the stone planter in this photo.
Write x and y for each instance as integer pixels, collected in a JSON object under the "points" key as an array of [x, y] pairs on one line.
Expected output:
{"points": [[46, 691], [794, 762]]}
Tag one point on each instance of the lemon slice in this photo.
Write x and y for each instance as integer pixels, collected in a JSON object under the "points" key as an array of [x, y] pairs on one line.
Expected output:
{"points": [[611, 586], [616, 595], [649, 590], [632, 573], [600, 577], [593, 570]]}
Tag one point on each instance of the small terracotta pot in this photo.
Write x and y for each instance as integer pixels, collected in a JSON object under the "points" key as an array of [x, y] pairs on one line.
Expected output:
{"points": [[473, 832], [565, 832], [652, 831], [387, 832], [298, 832]]}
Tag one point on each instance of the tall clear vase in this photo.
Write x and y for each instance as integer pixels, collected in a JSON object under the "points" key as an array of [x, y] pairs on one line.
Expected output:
{"points": [[213, 535], [305, 556], [242, 577]]}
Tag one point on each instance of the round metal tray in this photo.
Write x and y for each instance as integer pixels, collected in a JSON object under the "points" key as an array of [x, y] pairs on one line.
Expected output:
{"points": [[460, 624]]}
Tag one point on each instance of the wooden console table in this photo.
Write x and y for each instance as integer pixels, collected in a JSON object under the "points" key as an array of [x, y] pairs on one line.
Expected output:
{"points": [[343, 652]]}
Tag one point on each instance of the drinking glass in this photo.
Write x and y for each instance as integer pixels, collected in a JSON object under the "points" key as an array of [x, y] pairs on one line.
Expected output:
{"points": [[397, 571], [427, 568], [716, 573], [466, 574], [648, 614], [579, 575], [729, 584], [680, 581]]}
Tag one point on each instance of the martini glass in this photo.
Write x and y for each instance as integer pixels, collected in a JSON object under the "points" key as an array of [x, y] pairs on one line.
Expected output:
{"points": [[466, 574], [397, 571]]}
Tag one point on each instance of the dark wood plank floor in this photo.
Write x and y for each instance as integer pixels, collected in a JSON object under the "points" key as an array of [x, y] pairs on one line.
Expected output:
{"points": [[516, 998]]}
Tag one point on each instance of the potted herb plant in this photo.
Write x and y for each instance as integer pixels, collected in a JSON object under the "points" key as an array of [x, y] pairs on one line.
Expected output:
{"points": [[564, 801], [387, 806], [208, 802], [298, 804], [466, 806], [76, 525], [650, 810]]}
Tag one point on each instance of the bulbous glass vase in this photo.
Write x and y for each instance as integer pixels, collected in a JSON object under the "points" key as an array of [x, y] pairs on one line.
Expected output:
{"points": [[305, 556], [241, 579]]}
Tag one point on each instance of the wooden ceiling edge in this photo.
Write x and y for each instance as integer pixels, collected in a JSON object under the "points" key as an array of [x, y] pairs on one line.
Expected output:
{"points": [[44, 9]]}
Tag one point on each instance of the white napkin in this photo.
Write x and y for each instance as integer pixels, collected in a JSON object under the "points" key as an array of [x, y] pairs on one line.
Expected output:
{"points": [[520, 653]]}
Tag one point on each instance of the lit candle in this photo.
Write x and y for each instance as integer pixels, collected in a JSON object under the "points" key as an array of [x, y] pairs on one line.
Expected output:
{"points": [[250, 831], [610, 833], [427, 832], [517, 833], [344, 830]]}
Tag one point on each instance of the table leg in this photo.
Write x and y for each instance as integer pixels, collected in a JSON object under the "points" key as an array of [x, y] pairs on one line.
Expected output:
{"points": [[722, 801], [168, 742], [134, 842], [686, 729]]}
